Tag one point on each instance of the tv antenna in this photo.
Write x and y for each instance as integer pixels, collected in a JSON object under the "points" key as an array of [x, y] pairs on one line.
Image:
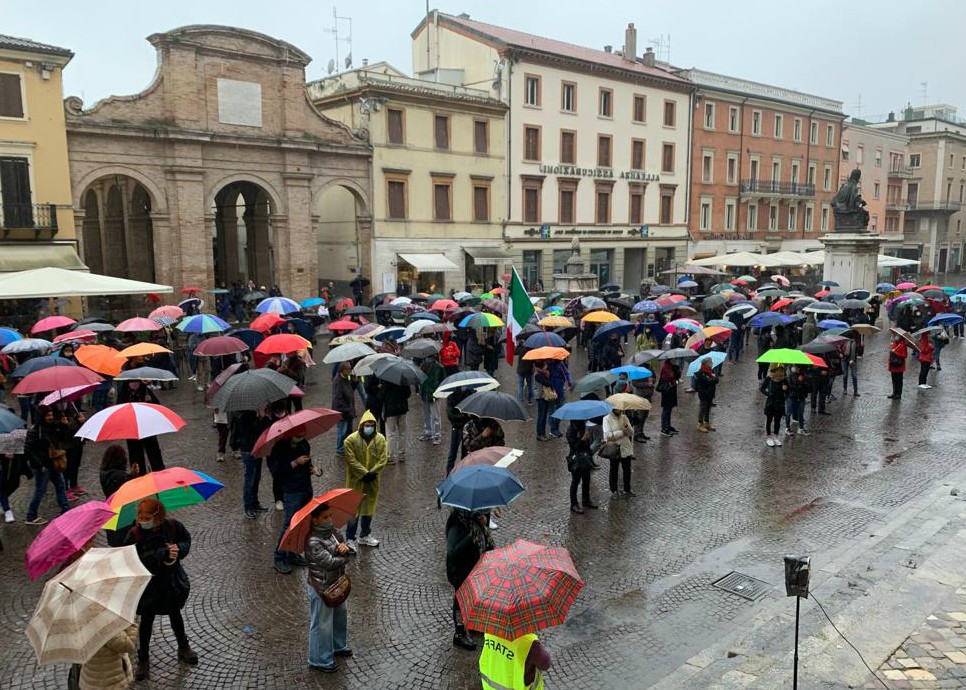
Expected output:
{"points": [[334, 30], [662, 48], [925, 91], [858, 107]]}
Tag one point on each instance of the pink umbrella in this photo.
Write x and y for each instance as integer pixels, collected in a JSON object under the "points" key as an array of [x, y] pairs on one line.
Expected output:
{"points": [[906, 286], [55, 379], [444, 305], [137, 324], [51, 322], [65, 536], [781, 280], [129, 421], [69, 394], [368, 329], [75, 336], [169, 311]]}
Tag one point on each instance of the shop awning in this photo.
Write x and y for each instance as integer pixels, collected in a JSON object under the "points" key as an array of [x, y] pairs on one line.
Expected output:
{"points": [[59, 282], [488, 256], [429, 262], [24, 256]]}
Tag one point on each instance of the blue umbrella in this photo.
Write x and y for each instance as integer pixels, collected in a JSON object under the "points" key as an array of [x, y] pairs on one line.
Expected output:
{"points": [[38, 363], [633, 373], [582, 409], [945, 320], [659, 289], [687, 284], [646, 307], [8, 335], [724, 323], [311, 302], [825, 324], [884, 287], [204, 323], [961, 291], [619, 328], [957, 298], [546, 339], [715, 357], [277, 305], [479, 487], [9, 421], [429, 316], [248, 336], [769, 318]]}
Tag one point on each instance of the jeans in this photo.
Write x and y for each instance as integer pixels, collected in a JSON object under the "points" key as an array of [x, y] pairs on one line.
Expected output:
{"points": [[704, 412], [293, 501], [666, 418], [924, 372], [99, 396], [850, 368], [819, 394], [74, 456], [525, 381], [396, 436], [578, 478], [546, 408], [350, 528], [795, 409], [328, 630], [4, 498], [431, 419], [625, 465], [253, 476], [455, 441], [41, 477], [342, 429]]}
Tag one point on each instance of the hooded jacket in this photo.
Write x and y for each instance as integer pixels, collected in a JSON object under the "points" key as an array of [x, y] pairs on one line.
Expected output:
{"points": [[363, 457], [324, 566]]}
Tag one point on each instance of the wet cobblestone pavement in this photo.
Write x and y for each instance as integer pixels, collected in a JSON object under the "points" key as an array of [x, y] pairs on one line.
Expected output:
{"points": [[707, 504]]}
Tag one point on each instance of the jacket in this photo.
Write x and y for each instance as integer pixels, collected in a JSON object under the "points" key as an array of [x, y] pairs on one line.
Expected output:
{"points": [[927, 353], [110, 668], [449, 355], [434, 375], [343, 396], [362, 457], [618, 429], [705, 385], [473, 352], [395, 399], [455, 417], [897, 357], [669, 385], [473, 438], [296, 479], [324, 566], [775, 396], [462, 551], [168, 589], [799, 385]]}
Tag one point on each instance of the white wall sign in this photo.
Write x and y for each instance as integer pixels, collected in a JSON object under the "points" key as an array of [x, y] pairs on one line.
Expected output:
{"points": [[239, 103]]}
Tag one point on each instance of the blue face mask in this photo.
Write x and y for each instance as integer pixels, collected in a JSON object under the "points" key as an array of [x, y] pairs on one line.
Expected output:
{"points": [[325, 526], [368, 431]]}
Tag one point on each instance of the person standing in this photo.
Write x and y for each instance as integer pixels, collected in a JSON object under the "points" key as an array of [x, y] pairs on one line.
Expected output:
{"points": [[491, 352], [137, 449], [524, 375], [898, 352], [245, 428], [47, 460], [467, 539], [294, 368], [114, 473], [939, 341], [819, 380], [75, 451], [457, 421], [927, 354], [343, 402], [798, 389], [366, 456], [291, 463], [705, 385], [449, 355], [396, 407], [434, 375], [667, 386], [774, 389], [326, 553], [472, 351], [162, 543], [516, 664], [546, 397], [618, 430], [580, 462], [850, 365]]}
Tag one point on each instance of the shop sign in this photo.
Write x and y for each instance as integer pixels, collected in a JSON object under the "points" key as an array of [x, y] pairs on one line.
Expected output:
{"points": [[599, 173]]}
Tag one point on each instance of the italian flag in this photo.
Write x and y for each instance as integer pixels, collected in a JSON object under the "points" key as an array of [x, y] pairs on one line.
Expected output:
{"points": [[519, 311]]}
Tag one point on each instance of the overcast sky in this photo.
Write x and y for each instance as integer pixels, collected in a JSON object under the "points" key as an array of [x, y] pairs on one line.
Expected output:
{"points": [[880, 52]]}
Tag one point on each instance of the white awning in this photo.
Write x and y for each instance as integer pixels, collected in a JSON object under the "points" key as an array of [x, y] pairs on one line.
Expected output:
{"points": [[429, 262], [24, 256], [59, 282], [488, 256]]}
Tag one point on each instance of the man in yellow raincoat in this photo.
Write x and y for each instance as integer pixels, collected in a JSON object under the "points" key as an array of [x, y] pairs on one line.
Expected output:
{"points": [[365, 458]]}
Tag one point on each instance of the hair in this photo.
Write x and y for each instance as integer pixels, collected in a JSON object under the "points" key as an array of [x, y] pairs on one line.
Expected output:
{"points": [[158, 507], [319, 509], [115, 458], [42, 411]]}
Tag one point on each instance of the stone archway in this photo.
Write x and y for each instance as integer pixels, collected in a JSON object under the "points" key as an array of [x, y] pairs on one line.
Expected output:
{"points": [[243, 238], [343, 234], [117, 231]]}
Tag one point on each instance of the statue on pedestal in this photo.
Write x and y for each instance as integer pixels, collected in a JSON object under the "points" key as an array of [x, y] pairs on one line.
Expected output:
{"points": [[849, 206]]}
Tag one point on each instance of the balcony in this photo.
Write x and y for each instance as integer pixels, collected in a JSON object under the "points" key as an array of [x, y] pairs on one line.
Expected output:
{"points": [[901, 172], [923, 207], [39, 218], [774, 189]]}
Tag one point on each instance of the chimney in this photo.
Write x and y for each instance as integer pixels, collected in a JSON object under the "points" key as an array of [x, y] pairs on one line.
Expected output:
{"points": [[365, 62], [630, 42], [648, 58], [608, 49]]}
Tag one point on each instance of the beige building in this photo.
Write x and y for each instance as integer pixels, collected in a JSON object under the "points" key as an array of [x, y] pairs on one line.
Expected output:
{"points": [[597, 145], [438, 167], [221, 170]]}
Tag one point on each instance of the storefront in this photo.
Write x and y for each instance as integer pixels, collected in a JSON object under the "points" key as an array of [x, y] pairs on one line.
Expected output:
{"points": [[423, 273], [485, 266]]}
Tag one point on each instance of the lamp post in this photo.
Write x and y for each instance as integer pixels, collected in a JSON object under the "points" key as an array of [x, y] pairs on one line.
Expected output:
{"points": [[797, 572]]}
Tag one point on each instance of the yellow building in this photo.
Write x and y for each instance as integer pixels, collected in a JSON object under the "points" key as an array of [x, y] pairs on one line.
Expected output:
{"points": [[438, 171], [36, 216]]}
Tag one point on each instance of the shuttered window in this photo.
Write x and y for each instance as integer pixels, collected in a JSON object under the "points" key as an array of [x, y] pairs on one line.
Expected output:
{"points": [[442, 132], [11, 98], [481, 203], [395, 118]]}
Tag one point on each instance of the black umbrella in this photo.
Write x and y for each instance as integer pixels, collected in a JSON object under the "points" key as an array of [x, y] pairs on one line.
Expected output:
{"points": [[552, 297], [402, 372], [421, 348], [254, 296], [470, 301], [610, 287], [853, 304], [252, 390], [38, 363], [713, 301], [359, 282], [360, 310], [568, 333], [814, 348], [494, 405]]}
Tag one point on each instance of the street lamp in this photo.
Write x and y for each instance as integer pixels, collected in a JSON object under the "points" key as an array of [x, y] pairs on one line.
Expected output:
{"points": [[797, 572]]}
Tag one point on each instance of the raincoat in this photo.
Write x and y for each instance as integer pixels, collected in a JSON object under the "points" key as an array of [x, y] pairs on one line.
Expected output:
{"points": [[362, 457]]}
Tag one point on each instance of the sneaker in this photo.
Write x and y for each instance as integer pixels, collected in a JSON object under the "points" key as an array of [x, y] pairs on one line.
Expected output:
{"points": [[493, 524], [250, 514], [778, 441], [672, 430], [925, 386], [437, 441], [199, 388], [703, 428], [770, 442], [711, 427], [187, 655], [803, 432], [143, 670], [856, 395], [221, 457], [630, 493], [615, 494], [789, 432], [80, 491], [193, 377], [556, 434], [343, 652], [35, 521], [666, 432], [8, 516], [576, 509], [425, 437], [279, 506], [542, 438], [368, 540], [331, 668]]}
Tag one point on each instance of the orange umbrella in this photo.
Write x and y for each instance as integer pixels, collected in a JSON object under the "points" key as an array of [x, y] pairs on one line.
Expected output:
{"points": [[100, 358], [547, 352], [266, 322], [144, 350], [282, 343], [600, 317], [342, 503]]}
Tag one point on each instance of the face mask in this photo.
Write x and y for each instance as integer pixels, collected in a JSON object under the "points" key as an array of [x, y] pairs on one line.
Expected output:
{"points": [[325, 526], [146, 524], [368, 431]]}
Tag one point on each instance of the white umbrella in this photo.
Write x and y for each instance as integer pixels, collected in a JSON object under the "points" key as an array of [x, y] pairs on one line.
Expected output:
{"points": [[415, 328], [343, 353], [822, 308], [401, 301], [364, 366], [86, 605], [26, 345]]}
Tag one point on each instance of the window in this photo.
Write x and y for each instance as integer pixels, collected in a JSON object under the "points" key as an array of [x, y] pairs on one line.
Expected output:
{"points": [[773, 217], [394, 119], [825, 214], [567, 201], [481, 136], [707, 168], [733, 119], [531, 90], [827, 179], [808, 217], [15, 195], [605, 103], [812, 172], [829, 135], [878, 158], [11, 96], [876, 190], [532, 267], [532, 188], [796, 168], [705, 215], [964, 162], [531, 143], [776, 174], [640, 110], [859, 155], [442, 198], [779, 122], [732, 169], [845, 151], [874, 223], [952, 161], [915, 160], [756, 123], [568, 97], [481, 201], [752, 224], [667, 158], [442, 132], [797, 129], [396, 197], [667, 205], [670, 113], [731, 209], [962, 189], [753, 164], [709, 115], [602, 212], [604, 150], [813, 132], [637, 154], [793, 217], [560, 257], [635, 215], [568, 147]]}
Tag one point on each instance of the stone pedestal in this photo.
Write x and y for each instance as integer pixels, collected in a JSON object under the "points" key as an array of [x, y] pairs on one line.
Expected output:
{"points": [[852, 259]]}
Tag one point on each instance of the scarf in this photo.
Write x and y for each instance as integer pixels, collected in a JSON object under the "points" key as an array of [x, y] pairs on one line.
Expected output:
{"points": [[478, 533]]}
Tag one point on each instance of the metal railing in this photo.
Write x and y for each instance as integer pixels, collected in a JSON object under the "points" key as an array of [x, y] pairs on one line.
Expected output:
{"points": [[900, 171], [923, 206], [761, 186], [36, 217]]}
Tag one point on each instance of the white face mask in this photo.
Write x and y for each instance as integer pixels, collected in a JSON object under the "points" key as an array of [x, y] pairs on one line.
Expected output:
{"points": [[146, 524]]}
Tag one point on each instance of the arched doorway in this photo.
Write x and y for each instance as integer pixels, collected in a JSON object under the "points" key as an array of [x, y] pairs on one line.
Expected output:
{"points": [[242, 241], [343, 225], [117, 232]]}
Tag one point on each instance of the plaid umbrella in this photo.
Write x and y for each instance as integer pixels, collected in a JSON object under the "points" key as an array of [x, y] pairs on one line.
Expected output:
{"points": [[519, 589], [252, 390]]}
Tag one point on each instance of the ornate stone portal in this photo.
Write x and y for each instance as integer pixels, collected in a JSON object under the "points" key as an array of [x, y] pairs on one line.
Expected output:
{"points": [[574, 279]]}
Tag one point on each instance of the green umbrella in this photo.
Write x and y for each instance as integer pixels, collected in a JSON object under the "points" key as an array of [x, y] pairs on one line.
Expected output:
{"points": [[835, 331], [594, 381], [783, 355]]}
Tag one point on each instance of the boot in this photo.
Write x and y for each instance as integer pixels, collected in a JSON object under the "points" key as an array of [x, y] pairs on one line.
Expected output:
{"points": [[462, 640], [143, 670], [702, 427], [186, 655]]}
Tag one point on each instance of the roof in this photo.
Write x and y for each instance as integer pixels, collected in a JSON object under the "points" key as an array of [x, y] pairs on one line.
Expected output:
{"points": [[27, 46], [538, 44], [722, 82]]}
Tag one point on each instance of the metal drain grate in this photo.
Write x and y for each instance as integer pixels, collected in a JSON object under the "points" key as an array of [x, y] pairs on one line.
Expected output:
{"points": [[742, 585]]}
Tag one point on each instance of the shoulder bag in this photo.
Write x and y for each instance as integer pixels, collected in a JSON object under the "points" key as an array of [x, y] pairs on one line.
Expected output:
{"points": [[610, 451], [335, 594]]}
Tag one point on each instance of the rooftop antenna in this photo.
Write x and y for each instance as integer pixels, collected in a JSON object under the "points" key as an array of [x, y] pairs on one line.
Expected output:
{"points": [[334, 30], [858, 107], [662, 48], [925, 91]]}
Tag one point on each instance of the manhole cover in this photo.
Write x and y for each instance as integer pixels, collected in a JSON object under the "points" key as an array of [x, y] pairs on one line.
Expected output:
{"points": [[742, 585]]}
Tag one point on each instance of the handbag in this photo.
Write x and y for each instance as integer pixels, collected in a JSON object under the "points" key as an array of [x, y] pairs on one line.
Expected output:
{"points": [[58, 459], [549, 393], [610, 451], [335, 594]]}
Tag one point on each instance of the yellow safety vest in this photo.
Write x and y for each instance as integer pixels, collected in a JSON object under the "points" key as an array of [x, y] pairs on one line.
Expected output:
{"points": [[502, 663]]}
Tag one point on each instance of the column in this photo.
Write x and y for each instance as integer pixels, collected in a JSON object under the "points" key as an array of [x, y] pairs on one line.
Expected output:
{"points": [[296, 245], [192, 261]]}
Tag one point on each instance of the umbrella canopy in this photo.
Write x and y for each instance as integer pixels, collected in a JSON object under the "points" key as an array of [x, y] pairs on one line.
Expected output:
{"points": [[137, 325], [75, 336], [582, 409], [519, 589], [817, 347], [495, 305], [252, 390], [349, 351], [599, 317], [10, 421], [723, 323], [364, 366], [283, 344], [307, 423], [414, 329], [65, 535], [822, 308], [646, 307], [359, 310], [927, 329], [907, 285], [134, 420], [55, 378], [493, 404], [945, 320], [254, 296], [311, 302], [496, 456], [465, 380], [220, 380], [678, 353], [343, 325], [713, 301], [51, 323], [644, 356], [555, 321], [592, 302], [399, 371], [203, 323], [628, 401], [853, 304], [825, 324], [784, 355], [175, 487], [882, 288], [865, 329], [278, 305], [69, 394], [266, 322], [39, 364], [827, 283], [482, 319], [425, 316], [594, 381], [618, 328], [8, 335], [143, 350], [100, 358], [146, 374], [747, 309], [682, 324], [715, 357], [88, 603], [632, 372], [544, 339], [421, 348], [859, 294], [547, 352], [220, 345], [479, 487], [342, 504]]}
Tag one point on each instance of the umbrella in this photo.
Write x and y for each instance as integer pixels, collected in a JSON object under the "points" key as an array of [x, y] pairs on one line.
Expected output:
{"points": [[555, 321], [341, 502], [882, 288], [479, 487], [190, 290], [827, 283], [74, 336], [818, 347], [784, 355], [266, 322], [682, 324], [582, 409], [619, 328], [370, 329], [599, 317], [51, 323], [254, 296], [400, 301], [421, 348], [277, 305], [349, 351], [678, 353], [465, 380], [191, 303], [425, 316], [399, 371], [343, 303], [713, 301], [55, 378], [169, 311], [220, 380], [175, 487], [26, 345], [137, 325], [252, 390], [747, 309], [360, 310], [822, 308], [343, 325], [65, 535], [143, 350], [859, 294], [364, 366], [715, 357], [220, 345], [905, 335], [865, 329], [39, 364], [135, 420], [395, 332], [282, 344], [853, 304], [907, 285], [594, 381], [723, 323], [496, 456], [780, 304], [546, 352], [470, 301], [945, 320], [646, 307], [816, 360], [519, 589], [632, 372], [781, 280], [311, 302], [10, 421], [8, 335], [482, 319], [495, 305], [100, 358], [544, 339], [493, 404], [687, 284], [203, 323], [628, 401], [307, 423], [146, 374], [645, 356], [825, 324], [919, 333], [87, 604], [444, 305]]}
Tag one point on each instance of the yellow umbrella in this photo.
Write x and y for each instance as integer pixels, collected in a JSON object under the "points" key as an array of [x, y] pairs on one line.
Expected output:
{"points": [[144, 350], [628, 401], [555, 322], [600, 317]]}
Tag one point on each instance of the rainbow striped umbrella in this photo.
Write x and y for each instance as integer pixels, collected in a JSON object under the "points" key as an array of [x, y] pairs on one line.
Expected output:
{"points": [[484, 320], [203, 323], [175, 487]]}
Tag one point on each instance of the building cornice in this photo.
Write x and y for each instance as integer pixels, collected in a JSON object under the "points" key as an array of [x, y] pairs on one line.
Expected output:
{"points": [[711, 81]]}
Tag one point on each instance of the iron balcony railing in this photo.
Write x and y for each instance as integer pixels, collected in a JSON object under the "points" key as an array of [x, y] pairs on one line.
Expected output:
{"points": [[776, 188], [915, 205], [902, 171], [36, 217]]}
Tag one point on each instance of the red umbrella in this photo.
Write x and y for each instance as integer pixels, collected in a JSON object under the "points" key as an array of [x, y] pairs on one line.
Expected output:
{"points": [[343, 325], [306, 423], [444, 305], [739, 281], [55, 378], [220, 380], [817, 361], [73, 336], [519, 589], [668, 300], [282, 344], [342, 503], [781, 304], [266, 322], [51, 322], [500, 456], [343, 303], [130, 421], [927, 287], [822, 293], [220, 345], [190, 290], [137, 324], [69, 394], [170, 311], [497, 291]]}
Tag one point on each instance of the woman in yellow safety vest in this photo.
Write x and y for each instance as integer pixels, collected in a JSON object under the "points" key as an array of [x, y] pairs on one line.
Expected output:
{"points": [[516, 665]]}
